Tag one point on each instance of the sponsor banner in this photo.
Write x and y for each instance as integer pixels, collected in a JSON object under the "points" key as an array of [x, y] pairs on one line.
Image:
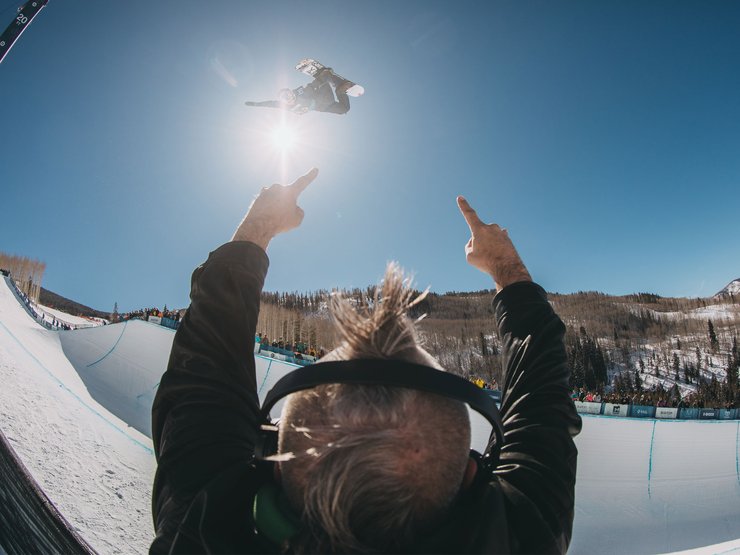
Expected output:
{"points": [[610, 409], [642, 411], [689, 413], [586, 407], [170, 323], [155, 319], [708, 414], [665, 412], [726, 414], [278, 350]]}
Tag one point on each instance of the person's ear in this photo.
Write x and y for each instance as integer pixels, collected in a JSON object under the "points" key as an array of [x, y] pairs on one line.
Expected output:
{"points": [[470, 471]]}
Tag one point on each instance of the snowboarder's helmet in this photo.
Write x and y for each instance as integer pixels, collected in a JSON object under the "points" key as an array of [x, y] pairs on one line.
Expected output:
{"points": [[287, 96]]}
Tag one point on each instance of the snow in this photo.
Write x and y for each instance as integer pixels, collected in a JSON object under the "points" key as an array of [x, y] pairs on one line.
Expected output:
{"points": [[75, 321], [121, 365], [732, 288], [79, 422], [655, 486], [724, 548], [717, 313], [94, 467]]}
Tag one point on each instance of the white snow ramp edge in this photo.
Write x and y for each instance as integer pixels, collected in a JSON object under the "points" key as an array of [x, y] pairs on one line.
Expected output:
{"points": [[121, 365], [654, 486]]}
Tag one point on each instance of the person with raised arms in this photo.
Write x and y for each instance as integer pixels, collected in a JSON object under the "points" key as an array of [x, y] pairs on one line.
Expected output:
{"points": [[372, 452]]}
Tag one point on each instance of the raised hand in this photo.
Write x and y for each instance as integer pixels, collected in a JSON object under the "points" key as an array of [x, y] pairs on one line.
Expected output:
{"points": [[490, 250], [275, 210]]}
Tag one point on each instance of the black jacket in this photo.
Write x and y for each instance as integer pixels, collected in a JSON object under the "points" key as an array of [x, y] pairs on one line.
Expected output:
{"points": [[206, 413]]}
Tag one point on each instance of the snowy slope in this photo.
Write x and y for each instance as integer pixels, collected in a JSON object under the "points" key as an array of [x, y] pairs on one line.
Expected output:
{"points": [[76, 321], [643, 486], [95, 468], [654, 486], [717, 313], [121, 365], [732, 288]]}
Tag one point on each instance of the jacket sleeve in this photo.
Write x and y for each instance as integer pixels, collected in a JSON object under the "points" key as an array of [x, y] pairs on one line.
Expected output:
{"points": [[266, 104], [537, 468], [206, 411]]}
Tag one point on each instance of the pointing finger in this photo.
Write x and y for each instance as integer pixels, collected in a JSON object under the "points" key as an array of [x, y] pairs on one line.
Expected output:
{"points": [[468, 213], [299, 185]]}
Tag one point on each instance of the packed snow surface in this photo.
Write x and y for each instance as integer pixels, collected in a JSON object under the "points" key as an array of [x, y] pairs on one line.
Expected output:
{"points": [[717, 313], [732, 288], [94, 467], [80, 422], [76, 321]]}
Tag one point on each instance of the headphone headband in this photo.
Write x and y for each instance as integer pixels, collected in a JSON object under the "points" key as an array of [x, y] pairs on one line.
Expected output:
{"points": [[392, 373]]}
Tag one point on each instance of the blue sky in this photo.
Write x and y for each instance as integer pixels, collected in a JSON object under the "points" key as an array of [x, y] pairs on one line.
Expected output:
{"points": [[604, 135]]}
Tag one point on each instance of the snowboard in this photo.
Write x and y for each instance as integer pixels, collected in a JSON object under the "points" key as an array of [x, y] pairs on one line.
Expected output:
{"points": [[312, 68]]}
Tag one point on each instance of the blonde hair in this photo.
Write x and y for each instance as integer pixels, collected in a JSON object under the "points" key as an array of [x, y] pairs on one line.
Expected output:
{"points": [[374, 465]]}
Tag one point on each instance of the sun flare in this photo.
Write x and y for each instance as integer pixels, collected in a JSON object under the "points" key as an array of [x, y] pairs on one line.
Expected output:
{"points": [[283, 137]]}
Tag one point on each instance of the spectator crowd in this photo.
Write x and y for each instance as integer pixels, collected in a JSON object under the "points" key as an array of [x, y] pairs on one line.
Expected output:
{"points": [[145, 313], [483, 384], [656, 396], [298, 350]]}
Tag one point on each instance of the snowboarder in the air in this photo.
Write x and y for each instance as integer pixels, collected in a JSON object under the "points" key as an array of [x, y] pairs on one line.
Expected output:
{"points": [[326, 93]]}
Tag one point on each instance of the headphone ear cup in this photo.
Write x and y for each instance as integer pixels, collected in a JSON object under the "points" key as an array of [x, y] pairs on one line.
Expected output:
{"points": [[267, 442]]}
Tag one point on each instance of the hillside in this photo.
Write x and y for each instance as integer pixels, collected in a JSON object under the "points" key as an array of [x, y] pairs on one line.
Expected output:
{"points": [[53, 300], [678, 348], [621, 344], [731, 290]]}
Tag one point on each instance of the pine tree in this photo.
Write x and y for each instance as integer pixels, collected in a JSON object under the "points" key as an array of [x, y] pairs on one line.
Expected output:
{"points": [[713, 342], [675, 392], [676, 365]]}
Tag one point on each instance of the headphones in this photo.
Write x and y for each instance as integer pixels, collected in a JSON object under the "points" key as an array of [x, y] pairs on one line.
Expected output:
{"points": [[392, 373]]}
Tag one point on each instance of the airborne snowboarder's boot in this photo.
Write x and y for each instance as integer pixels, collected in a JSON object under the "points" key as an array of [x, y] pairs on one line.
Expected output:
{"points": [[344, 87], [341, 85]]}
